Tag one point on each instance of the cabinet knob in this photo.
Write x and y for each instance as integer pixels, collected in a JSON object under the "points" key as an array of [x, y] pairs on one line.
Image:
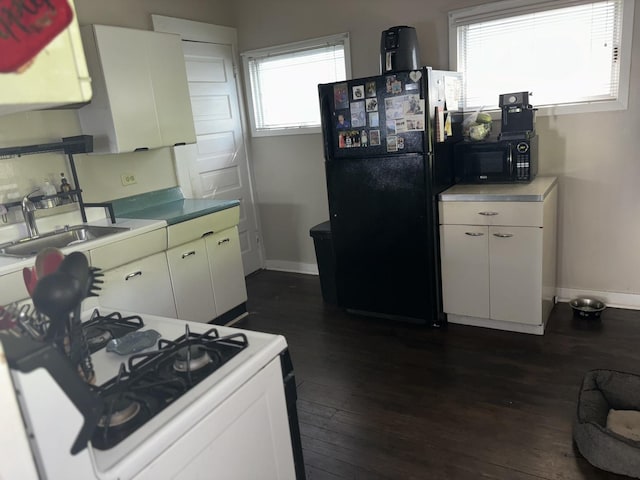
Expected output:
{"points": [[503, 235], [188, 254], [474, 234], [224, 240], [134, 274], [488, 214]]}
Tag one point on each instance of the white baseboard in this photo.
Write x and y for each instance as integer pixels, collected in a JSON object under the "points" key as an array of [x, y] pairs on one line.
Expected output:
{"points": [[611, 299], [294, 267]]}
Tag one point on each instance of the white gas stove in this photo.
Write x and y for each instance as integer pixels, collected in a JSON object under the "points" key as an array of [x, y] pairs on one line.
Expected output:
{"points": [[203, 402]]}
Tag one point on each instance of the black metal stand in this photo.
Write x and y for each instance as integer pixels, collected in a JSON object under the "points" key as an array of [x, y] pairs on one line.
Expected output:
{"points": [[68, 145]]}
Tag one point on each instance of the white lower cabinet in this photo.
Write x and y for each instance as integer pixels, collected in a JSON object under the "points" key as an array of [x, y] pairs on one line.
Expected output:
{"points": [[492, 272], [191, 280], [142, 286], [205, 262], [225, 266], [498, 254]]}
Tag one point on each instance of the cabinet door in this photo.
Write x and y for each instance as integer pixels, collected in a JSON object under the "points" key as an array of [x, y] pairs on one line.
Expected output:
{"points": [[191, 282], [170, 89], [123, 56], [141, 286], [227, 274], [516, 274], [465, 269]]}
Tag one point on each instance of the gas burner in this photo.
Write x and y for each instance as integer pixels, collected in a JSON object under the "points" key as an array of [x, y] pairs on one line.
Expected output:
{"points": [[191, 358], [97, 337], [123, 410], [99, 329]]}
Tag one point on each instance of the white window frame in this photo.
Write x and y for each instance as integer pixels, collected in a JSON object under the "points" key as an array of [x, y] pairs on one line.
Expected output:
{"points": [[509, 8], [282, 49]]}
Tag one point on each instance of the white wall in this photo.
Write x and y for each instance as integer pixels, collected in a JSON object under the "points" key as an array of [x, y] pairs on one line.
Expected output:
{"points": [[594, 155]]}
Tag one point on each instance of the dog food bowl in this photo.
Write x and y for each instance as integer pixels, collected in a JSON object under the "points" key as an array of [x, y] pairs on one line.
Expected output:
{"points": [[588, 308]]}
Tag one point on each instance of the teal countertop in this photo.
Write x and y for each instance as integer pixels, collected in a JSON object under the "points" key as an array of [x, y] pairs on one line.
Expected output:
{"points": [[168, 205]]}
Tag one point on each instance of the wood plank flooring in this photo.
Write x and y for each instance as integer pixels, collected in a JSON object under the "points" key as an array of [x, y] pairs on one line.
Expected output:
{"points": [[387, 400]]}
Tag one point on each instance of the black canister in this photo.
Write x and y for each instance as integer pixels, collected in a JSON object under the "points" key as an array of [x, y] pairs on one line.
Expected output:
{"points": [[399, 50]]}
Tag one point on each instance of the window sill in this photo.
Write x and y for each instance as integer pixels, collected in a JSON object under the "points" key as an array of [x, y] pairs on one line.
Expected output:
{"points": [[285, 131]]}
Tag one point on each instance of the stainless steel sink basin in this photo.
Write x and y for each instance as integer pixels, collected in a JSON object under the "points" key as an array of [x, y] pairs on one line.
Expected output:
{"points": [[28, 247]]}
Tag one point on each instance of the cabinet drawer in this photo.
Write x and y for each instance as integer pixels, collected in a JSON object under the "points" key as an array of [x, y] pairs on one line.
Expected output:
{"points": [[193, 229], [526, 214], [12, 288], [125, 251]]}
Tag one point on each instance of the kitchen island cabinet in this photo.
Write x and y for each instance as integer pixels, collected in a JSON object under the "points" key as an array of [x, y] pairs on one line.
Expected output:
{"points": [[141, 97], [498, 254]]}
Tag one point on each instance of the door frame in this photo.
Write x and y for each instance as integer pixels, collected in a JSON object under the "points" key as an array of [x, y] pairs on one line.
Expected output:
{"points": [[206, 32]]}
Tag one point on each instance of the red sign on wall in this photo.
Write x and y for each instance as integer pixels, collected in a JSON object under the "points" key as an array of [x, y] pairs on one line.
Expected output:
{"points": [[26, 27]]}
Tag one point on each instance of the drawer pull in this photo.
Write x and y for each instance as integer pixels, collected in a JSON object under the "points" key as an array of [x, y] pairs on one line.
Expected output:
{"points": [[206, 234], [224, 240], [188, 254], [134, 274], [488, 214], [474, 234], [503, 235]]}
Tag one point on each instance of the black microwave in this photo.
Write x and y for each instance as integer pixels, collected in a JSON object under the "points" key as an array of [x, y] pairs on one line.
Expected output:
{"points": [[502, 161]]}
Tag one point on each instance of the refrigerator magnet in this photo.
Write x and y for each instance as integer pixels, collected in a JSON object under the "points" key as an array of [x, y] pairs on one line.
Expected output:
{"points": [[372, 104], [374, 120], [389, 83], [374, 138], [391, 126], [364, 139], [358, 92], [349, 139], [400, 143], [413, 105], [343, 122], [414, 78], [396, 87], [414, 123], [392, 143], [340, 96], [358, 115], [371, 89], [401, 125]]}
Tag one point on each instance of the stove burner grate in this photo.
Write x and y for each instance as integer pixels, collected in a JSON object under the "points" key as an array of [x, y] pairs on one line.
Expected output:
{"points": [[99, 329], [154, 380]]}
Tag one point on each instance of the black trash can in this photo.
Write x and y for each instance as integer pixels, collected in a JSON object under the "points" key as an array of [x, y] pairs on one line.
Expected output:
{"points": [[323, 242]]}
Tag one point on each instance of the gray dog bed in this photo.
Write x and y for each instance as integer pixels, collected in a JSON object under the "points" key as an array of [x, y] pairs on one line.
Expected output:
{"points": [[608, 420]]}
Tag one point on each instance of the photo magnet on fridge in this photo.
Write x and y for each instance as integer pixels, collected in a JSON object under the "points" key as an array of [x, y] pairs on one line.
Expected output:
{"points": [[358, 92], [342, 121], [372, 104], [374, 120], [358, 115], [374, 138], [340, 96], [390, 80], [392, 144], [371, 89]]}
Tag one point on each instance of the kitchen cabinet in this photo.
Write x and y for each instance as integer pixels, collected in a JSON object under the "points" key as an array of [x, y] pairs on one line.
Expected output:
{"points": [[205, 263], [498, 254], [12, 288], [136, 274], [141, 97], [56, 77], [141, 286], [191, 280]]}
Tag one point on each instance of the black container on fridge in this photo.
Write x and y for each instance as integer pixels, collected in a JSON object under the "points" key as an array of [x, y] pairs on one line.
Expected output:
{"points": [[388, 143]]}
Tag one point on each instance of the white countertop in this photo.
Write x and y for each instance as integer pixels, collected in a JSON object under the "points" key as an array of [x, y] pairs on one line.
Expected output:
{"points": [[535, 191]]}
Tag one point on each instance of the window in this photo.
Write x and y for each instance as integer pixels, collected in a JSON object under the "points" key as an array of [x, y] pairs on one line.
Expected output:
{"points": [[282, 83], [574, 56]]}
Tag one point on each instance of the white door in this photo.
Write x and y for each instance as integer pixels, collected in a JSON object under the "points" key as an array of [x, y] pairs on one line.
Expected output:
{"points": [[217, 165]]}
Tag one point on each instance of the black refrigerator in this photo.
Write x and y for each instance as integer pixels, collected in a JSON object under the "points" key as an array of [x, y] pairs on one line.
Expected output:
{"points": [[388, 145]]}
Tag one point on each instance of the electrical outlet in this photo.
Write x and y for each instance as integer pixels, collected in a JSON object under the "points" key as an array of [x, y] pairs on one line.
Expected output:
{"points": [[128, 179]]}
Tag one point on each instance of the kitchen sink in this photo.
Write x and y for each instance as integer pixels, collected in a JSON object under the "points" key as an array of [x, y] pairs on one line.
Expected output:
{"points": [[27, 247]]}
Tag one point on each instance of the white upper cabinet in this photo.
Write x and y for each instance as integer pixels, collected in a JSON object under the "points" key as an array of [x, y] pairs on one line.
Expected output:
{"points": [[141, 95], [56, 77]]}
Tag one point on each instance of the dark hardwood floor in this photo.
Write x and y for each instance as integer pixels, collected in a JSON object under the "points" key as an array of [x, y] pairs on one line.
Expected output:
{"points": [[386, 400]]}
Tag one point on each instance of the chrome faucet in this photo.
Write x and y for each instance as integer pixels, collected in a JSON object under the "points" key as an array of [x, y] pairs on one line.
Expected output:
{"points": [[29, 214]]}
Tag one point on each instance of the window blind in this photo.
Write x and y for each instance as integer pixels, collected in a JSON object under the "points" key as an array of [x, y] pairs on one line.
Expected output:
{"points": [[284, 85], [564, 52]]}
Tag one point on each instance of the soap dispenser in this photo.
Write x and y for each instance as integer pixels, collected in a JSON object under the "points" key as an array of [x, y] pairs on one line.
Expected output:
{"points": [[48, 190]]}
